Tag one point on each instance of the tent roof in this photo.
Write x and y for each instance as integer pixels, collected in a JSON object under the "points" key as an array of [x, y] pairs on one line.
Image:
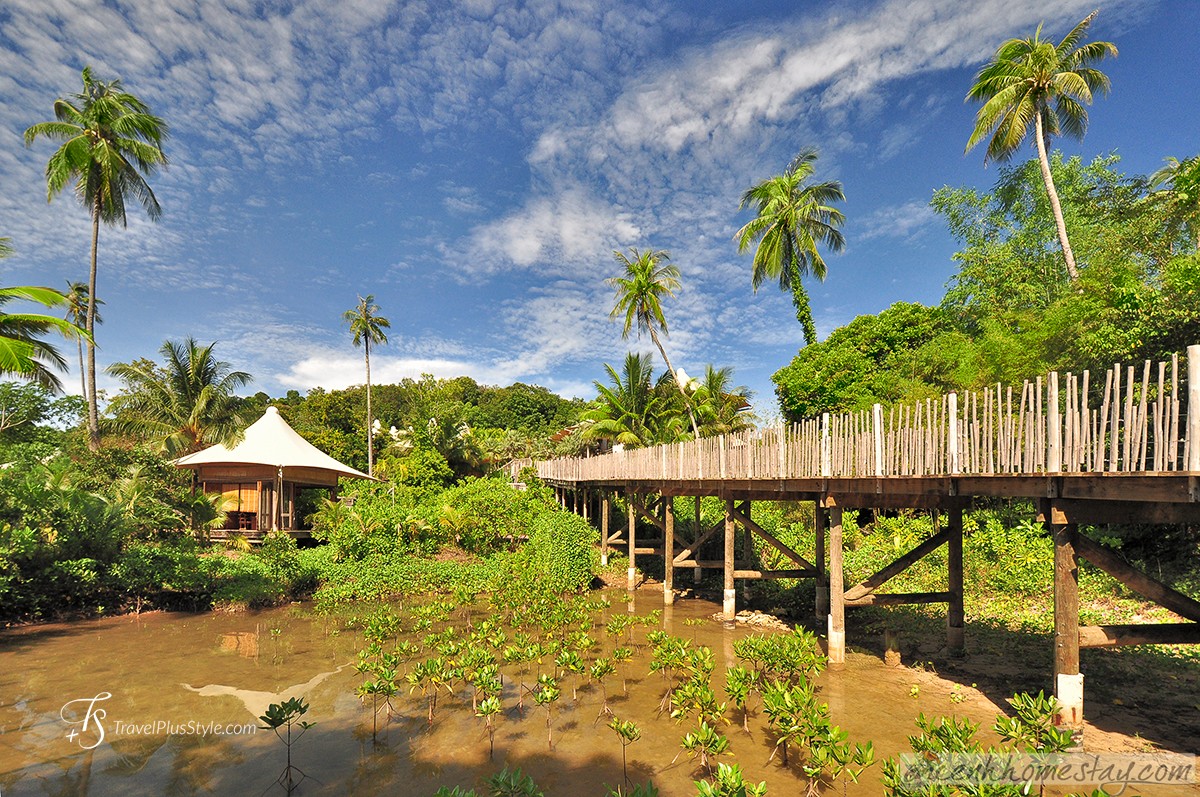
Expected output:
{"points": [[270, 441]]}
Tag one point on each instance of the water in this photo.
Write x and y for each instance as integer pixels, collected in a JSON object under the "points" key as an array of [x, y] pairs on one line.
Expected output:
{"points": [[173, 678]]}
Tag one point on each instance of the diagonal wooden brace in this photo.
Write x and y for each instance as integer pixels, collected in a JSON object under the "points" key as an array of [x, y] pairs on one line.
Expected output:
{"points": [[872, 583], [750, 525]]}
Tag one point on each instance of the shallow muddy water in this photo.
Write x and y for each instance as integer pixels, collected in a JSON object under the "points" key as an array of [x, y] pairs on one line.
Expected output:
{"points": [[184, 693]]}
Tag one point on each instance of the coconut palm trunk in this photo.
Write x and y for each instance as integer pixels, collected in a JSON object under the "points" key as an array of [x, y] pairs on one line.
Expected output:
{"points": [[370, 427], [1056, 206], [687, 404], [90, 386]]}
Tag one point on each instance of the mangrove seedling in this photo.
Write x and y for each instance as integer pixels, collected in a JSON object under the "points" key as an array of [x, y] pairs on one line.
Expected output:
{"points": [[488, 708], [287, 715], [602, 668], [570, 662], [545, 695], [627, 732], [740, 683], [622, 656], [706, 744], [513, 783]]}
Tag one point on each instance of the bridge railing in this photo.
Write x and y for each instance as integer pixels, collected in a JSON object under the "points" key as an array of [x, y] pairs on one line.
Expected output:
{"points": [[1147, 420]]}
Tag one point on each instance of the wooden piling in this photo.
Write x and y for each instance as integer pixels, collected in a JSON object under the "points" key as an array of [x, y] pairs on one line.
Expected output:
{"points": [[631, 573], [837, 597], [697, 572], [730, 594], [605, 513], [668, 550], [954, 572], [819, 524], [1068, 682]]}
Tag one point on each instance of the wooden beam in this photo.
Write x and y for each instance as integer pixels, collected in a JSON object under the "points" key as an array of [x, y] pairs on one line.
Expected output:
{"points": [[1063, 511], [703, 538], [1107, 636], [773, 541], [649, 516], [899, 598], [872, 583], [1111, 562], [773, 574], [822, 600]]}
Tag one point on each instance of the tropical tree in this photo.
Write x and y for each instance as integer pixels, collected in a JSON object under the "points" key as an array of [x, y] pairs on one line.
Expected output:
{"points": [[76, 313], [1179, 184], [648, 278], [1033, 80], [111, 143], [184, 405], [367, 327], [629, 410], [23, 353], [794, 218], [721, 407]]}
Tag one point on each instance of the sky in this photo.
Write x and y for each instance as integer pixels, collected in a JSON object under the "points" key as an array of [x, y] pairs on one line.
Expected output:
{"points": [[475, 164]]}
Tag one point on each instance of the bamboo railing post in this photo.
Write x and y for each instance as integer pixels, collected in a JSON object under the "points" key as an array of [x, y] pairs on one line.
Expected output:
{"points": [[877, 424], [1193, 409], [953, 436], [1053, 427], [826, 452], [837, 591]]}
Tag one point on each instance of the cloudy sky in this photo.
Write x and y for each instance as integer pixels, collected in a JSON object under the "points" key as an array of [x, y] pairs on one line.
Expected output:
{"points": [[474, 165]]}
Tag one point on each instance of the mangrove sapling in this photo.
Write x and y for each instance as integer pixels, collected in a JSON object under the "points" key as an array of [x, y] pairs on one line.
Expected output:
{"points": [[705, 743], [429, 676], [740, 683], [287, 715], [545, 695], [729, 783], [696, 696], [627, 732], [602, 668], [488, 708], [569, 662], [457, 791], [639, 790], [622, 656]]}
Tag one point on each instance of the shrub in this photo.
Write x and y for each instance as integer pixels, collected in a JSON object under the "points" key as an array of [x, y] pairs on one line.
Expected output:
{"points": [[562, 551]]}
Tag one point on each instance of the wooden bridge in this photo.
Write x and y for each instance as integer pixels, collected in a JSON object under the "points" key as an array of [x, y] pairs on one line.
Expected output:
{"points": [[1127, 453]]}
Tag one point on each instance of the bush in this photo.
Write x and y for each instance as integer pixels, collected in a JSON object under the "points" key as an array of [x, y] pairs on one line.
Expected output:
{"points": [[485, 515], [562, 551]]}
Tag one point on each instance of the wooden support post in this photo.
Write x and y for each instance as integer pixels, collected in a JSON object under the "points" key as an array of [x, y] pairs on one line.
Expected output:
{"points": [[668, 550], [822, 602], [698, 573], [837, 597], [747, 548], [631, 573], [954, 574], [730, 595], [1068, 682], [605, 514], [587, 506]]}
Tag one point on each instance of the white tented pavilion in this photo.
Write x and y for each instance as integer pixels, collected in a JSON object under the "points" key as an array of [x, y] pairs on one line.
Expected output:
{"points": [[260, 476]]}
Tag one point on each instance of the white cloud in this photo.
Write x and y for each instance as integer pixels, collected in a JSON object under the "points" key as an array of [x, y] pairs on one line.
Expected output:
{"points": [[907, 221]]}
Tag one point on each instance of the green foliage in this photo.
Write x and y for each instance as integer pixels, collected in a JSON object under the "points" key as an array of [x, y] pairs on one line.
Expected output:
{"points": [[486, 515], [513, 783], [561, 553], [730, 782], [288, 715]]}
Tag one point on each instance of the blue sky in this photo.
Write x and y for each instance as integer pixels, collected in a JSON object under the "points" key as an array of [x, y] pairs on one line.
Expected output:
{"points": [[474, 165]]}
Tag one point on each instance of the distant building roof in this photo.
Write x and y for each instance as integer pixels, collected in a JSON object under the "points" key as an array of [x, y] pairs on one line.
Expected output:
{"points": [[270, 442]]}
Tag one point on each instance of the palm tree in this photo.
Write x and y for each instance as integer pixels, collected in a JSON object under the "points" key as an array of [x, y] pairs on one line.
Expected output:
{"points": [[184, 405], [629, 410], [367, 327], [23, 353], [110, 140], [794, 218], [1036, 81], [1179, 184], [722, 408], [648, 278], [76, 308]]}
